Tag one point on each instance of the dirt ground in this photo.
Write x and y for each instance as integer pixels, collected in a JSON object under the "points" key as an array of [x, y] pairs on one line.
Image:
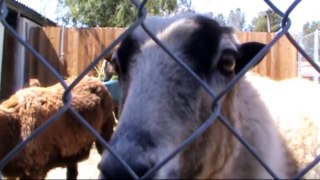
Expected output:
{"points": [[87, 169]]}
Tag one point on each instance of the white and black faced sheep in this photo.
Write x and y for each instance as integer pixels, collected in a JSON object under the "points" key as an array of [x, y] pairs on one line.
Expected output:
{"points": [[162, 104], [64, 143]]}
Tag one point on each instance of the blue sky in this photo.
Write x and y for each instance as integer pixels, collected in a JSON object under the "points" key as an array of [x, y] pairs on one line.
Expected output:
{"points": [[307, 10]]}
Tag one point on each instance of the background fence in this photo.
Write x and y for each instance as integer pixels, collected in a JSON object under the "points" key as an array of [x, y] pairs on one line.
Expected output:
{"points": [[281, 52], [311, 44], [68, 50], [71, 50], [280, 62]]}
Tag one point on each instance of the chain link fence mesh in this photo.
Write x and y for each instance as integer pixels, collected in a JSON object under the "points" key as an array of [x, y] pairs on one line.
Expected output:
{"points": [[142, 13], [311, 44]]}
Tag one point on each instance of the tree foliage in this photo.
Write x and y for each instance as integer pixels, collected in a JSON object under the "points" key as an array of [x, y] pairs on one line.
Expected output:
{"points": [[185, 6], [220, 19], [310, 27], [260, 23], [108, 13], [235, 19], [157, 7]]}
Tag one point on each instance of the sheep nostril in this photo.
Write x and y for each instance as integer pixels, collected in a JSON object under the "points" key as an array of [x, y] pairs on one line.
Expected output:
{"points": [[115, 170]]}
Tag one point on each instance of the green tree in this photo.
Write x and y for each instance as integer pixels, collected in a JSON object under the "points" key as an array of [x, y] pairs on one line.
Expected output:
{"points": [[161, 7], [310, 27], [185, 6], [220, 19], [236, 19], [260, 23], [107, 13]]}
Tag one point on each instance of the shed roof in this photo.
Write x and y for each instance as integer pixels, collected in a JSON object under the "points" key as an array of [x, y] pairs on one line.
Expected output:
{"points": [[29, 13]]}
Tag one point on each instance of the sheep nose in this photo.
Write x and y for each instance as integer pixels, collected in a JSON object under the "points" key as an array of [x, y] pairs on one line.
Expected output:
{"points": [[116, 170]]}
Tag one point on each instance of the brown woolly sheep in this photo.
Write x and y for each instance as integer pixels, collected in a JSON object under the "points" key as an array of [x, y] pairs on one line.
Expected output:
{"points": [[66, 141], [33, 82]]}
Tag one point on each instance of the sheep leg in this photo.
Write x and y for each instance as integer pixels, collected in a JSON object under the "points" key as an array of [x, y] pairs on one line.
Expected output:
{"points": [[107, 130], [72, 171], [116, 111], [32, 176]]}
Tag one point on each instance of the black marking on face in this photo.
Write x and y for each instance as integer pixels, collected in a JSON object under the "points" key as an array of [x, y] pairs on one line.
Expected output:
{"points": [[135, 134], [136, 142], [227, 30], [113, 169], [121, 59], [144, 139], [203, 44]]}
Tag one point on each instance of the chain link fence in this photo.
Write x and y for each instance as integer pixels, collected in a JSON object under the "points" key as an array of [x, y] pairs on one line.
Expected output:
{"points": [[311, 44], [286, 23]]}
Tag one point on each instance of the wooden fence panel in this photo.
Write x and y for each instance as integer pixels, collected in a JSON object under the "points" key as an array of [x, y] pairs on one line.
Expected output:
{"points": [[82, 45], [47, 44], [280, 62], [79, 48]]}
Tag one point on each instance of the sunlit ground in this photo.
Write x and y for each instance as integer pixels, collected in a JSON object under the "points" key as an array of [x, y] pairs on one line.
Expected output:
{"points": [[87, 169]]}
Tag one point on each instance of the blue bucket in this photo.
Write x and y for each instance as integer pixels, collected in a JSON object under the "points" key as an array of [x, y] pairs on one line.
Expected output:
{"points": [[113, 87]]}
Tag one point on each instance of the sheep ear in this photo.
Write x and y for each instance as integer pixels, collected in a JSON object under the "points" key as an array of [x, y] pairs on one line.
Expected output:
{"points": [[247, 51]]}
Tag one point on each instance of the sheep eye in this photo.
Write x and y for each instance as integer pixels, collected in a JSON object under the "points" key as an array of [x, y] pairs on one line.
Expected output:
{"points": [[227, 61]]}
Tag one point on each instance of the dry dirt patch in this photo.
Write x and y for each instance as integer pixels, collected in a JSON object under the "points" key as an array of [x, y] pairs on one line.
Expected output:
{"points": [[87, 169]]}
